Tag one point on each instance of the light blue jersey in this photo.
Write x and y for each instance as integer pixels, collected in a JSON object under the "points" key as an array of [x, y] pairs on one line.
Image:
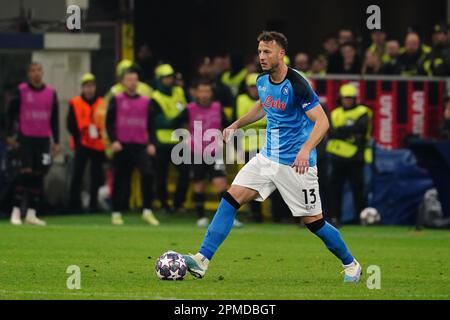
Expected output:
{"points": [[288, 126]]}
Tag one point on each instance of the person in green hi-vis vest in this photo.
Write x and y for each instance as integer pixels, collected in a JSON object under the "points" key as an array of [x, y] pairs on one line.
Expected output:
{"points": [[168, 101], [253, 140]]}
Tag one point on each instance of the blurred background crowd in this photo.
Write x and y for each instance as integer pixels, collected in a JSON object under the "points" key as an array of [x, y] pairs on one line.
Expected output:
{"points": [[120, 51]]}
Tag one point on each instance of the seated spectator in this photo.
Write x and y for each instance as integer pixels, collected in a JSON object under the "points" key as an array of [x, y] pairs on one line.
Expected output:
{"points": [[319, 66], [351, 63], [145, 63], [413, 53], [392, 66], [378, 45], [332, 54], [445, 129], [372, 63], [211, 70], [301, 62], [437, 63], [345, 36], [235, 74]]}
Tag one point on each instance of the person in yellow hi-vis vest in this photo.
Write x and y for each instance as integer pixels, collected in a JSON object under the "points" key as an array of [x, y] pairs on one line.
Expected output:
{"points": [[235, 76], [348, 145], [168, 101], [253, 140]]}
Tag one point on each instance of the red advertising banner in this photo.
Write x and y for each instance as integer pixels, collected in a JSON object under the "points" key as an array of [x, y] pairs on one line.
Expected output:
{"points": [[401, 107]]}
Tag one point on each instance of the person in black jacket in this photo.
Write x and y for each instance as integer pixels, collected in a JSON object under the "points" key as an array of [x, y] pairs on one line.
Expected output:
{"points": [[32, 122]]}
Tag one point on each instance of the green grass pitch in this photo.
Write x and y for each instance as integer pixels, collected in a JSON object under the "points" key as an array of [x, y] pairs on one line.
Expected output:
{"points": [[256, 262]]}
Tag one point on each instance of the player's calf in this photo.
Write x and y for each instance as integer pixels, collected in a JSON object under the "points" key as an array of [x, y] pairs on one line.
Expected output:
{"points": [[334, 242]]}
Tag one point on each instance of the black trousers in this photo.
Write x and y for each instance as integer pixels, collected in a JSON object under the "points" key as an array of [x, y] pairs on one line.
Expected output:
{"points": [[96, 158], [342, 171], [35, 161], [132, 155], [163, 160]]}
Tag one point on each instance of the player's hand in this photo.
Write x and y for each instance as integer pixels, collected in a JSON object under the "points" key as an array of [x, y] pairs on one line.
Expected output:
{"points": [[229, 132], [55, 149], [116, 147], [301, 163], [12, 142], [151, 150]]}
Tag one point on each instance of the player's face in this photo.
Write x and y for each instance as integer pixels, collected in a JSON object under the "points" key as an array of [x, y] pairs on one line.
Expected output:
{"points": [[204, 94], [130, 82], [270, 55], [35, 73]]}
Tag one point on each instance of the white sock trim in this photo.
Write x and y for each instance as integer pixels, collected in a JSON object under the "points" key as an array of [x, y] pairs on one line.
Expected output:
{"points": [[202, 258], [147, 211], [16, 211], [350, 264]]}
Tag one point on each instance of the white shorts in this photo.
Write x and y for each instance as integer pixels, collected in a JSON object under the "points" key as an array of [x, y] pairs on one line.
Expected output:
{"points": [[299, 191]]}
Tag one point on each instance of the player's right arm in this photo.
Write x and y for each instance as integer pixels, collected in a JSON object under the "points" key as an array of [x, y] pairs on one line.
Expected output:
{"points": [[254, 114], [116, 146]]}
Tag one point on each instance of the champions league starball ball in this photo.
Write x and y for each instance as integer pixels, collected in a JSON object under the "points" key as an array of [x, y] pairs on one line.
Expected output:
{"points": [[171, 266], [369, 216]]}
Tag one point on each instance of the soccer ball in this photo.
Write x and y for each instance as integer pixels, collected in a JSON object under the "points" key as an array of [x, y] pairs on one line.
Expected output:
{"points": [[369, 216], [171, 266]]}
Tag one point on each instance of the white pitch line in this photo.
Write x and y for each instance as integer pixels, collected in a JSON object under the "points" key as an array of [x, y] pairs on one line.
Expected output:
{"points": [[88, 294], [156, 297], [406, 234]]}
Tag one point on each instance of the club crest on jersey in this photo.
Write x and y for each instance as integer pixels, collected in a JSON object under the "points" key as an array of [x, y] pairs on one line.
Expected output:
{"points": [[274, 104], [285, 90]]}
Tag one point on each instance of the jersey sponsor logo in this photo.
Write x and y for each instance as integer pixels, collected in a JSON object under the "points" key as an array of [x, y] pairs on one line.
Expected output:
{"points": [[262, 89], [274, 104], [306, 105]]}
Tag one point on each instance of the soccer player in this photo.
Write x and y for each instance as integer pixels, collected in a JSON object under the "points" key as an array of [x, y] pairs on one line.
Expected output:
{"points": [[295, 125], [130, 128], [35, 109], [208, 115]]}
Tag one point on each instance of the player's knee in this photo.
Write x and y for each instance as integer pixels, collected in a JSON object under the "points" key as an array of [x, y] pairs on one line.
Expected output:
{"points": [[315, 225], [242, 194], [231, 200]]}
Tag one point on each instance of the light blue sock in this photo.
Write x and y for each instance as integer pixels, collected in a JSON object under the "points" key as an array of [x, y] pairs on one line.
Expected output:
{"points": [[220, 226], [334, 242]]}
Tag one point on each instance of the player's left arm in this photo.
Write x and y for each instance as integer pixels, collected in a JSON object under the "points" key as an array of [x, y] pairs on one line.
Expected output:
{"points": [[55, 125], [321, 126]]}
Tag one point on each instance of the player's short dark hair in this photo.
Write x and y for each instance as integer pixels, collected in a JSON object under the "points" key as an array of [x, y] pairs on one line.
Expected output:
{"points": [[278, 37], [203, 82], [33, 63], [130, 70]]}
